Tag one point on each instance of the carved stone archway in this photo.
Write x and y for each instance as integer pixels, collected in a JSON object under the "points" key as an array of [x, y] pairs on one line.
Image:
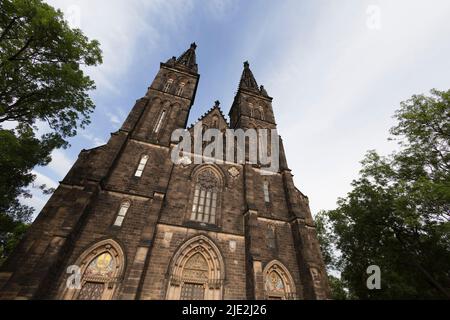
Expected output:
{"points": [[278, 282], [101, 267], [197, 271]]}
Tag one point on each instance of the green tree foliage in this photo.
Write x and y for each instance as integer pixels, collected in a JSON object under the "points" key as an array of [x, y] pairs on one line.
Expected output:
{"points": [[41, 84], [326, 239], [397, 215], [339, 290], [12, 229]]}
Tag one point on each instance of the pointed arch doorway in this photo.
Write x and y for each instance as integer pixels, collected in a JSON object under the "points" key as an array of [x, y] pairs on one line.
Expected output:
{"points": [[196, 272]]}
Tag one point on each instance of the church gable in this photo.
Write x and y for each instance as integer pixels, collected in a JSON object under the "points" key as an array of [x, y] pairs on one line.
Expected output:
{"points": [[213, 118]]}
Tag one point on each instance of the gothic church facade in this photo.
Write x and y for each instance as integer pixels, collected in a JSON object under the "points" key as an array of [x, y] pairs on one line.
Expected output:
{"points": [[138, 226]]}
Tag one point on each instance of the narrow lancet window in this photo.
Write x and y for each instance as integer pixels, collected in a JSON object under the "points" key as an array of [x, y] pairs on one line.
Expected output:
{"points": [[160, 120], [168, 85], [180, 89], [141, 166], [266, 191], [122, 213]]}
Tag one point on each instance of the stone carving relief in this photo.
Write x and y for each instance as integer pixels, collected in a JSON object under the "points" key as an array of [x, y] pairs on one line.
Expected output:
{"points": [[234, 173]]}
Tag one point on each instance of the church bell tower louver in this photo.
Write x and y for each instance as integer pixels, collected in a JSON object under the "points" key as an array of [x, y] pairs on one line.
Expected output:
{"points": [[134, 225]]}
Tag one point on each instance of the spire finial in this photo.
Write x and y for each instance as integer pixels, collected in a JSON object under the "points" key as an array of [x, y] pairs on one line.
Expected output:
{"points": [[246, 64], [217, 103], [188, 60]]}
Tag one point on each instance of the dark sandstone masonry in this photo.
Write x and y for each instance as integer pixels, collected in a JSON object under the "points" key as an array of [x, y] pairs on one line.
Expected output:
{"points": [[249, 234]]}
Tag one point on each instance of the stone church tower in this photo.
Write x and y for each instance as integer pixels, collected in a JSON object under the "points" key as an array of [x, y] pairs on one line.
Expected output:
{"points": [[128, 223]]}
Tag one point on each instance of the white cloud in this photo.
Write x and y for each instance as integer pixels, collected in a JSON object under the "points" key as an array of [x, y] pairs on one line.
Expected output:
{"points": [[8, 125], [113, 118], [119, 25], [60, 164], [38, 199], [218, 9], [37, 202], [96, 141], [336, 90], [335, 82], [43, 179]]}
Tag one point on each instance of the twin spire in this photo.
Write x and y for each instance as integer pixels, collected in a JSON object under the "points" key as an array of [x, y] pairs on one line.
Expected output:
{"points": [[188, 62], [248, 81]]}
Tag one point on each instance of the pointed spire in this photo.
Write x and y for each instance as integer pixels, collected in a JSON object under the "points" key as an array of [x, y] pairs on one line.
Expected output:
{"points": [[247, 79], [188, 59]]}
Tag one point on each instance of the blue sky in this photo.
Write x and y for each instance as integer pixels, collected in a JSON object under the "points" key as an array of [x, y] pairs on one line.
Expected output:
{"points": [[337, 71]]}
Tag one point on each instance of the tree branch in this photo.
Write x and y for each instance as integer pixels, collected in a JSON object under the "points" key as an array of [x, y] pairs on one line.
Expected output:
{"points": [[8, 27], [18, 53]]}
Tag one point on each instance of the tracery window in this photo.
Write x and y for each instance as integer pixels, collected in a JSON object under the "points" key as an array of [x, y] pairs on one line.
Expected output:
{"points": [[278, 283], [141, 166], [101, 267], [205, 199], [122, 213], [97, 274], [92, 291], [274, 286]]}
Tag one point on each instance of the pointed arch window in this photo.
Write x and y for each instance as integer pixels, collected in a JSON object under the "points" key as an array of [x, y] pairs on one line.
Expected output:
{"points": [[168, 85], [160, 121], [141, 166], [122, 213], [101, 267], [278, 283], [266, 191], [261, 111], [180, 89], [250, 106], [271, 236], [257, 113], [205, 201]]}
